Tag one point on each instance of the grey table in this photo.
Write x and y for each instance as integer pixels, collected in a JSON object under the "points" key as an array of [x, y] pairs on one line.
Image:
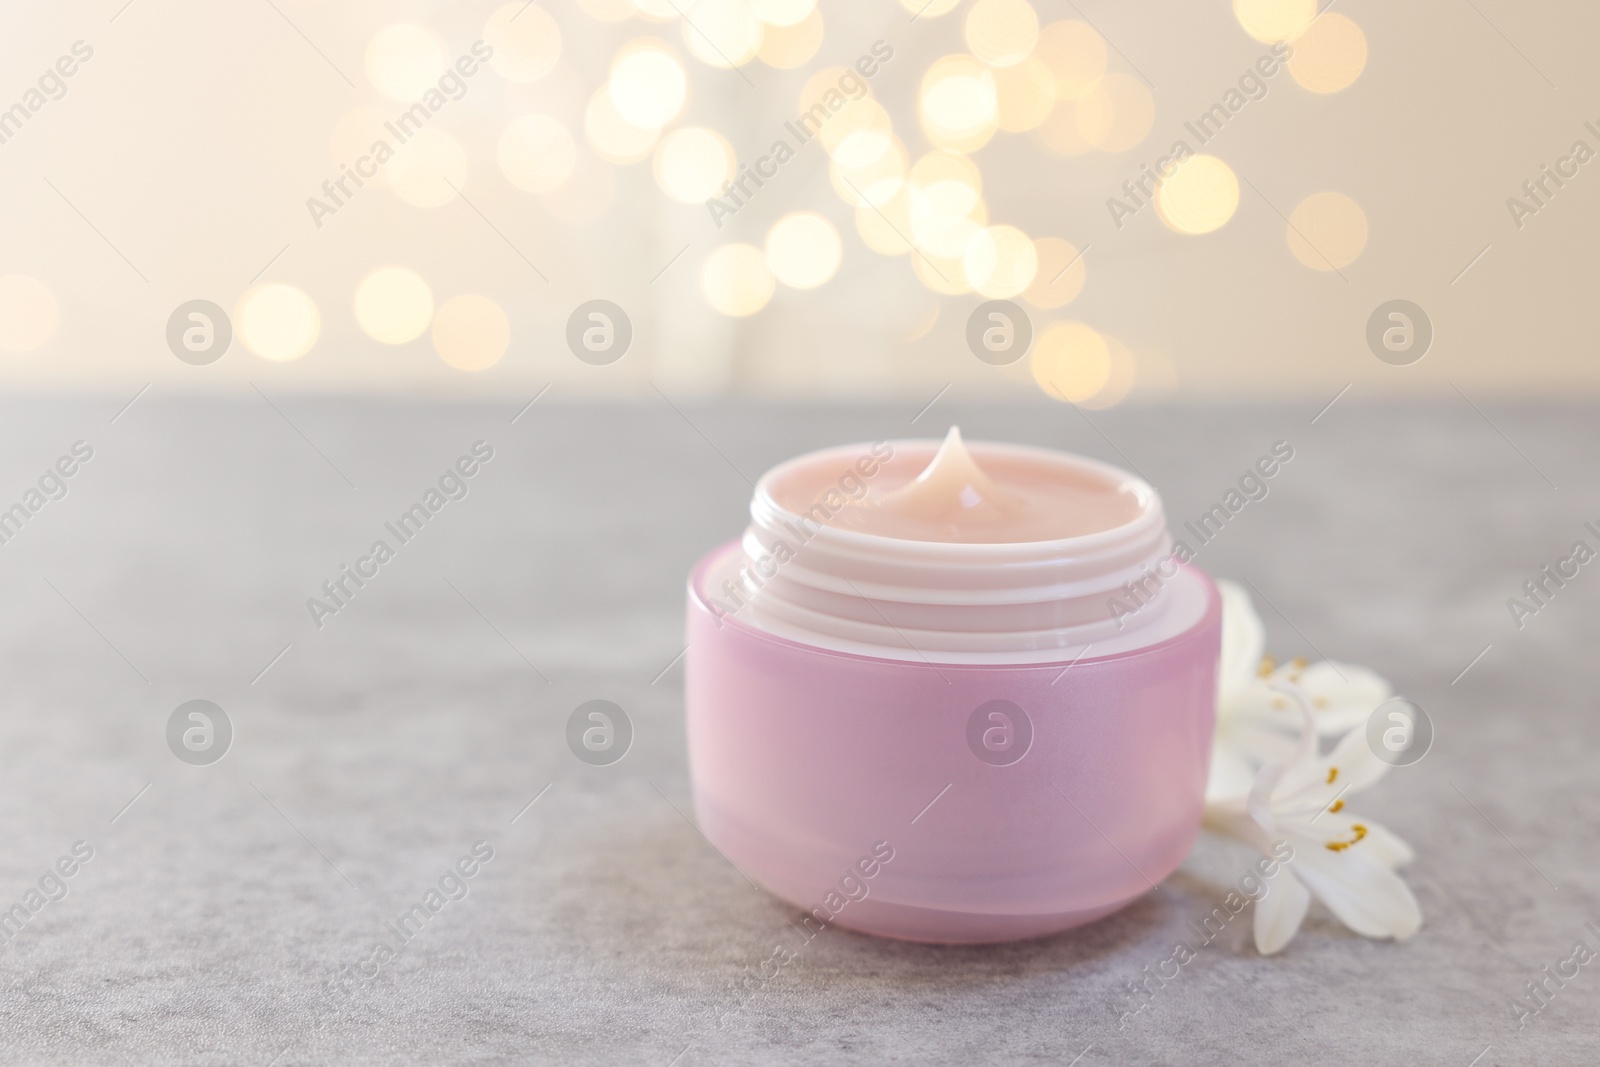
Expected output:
{"points": [[426, 714]]}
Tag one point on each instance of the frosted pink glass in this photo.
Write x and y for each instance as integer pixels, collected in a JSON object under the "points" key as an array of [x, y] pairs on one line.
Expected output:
{"points": [[803, 759]]}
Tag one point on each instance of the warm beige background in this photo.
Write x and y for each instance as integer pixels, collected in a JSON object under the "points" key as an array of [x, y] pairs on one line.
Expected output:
{"points": [[193, 137]]}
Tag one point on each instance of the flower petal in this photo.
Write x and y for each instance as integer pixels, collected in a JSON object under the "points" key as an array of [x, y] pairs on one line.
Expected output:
{"points": [[1243, 642], [1254, 742], [1343, 696], [1351, 767], [1232, 772], [1300, 771], [1231, 818], [1359, 766], [1280, 913], [1259, 802], [1388, 847], [1255, 699], [1343, 830], [1365, 895]]}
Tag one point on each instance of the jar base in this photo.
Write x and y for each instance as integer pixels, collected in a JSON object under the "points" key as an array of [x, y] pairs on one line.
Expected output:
{"points": [[1073, 785], [788, 870], [906, 922]]}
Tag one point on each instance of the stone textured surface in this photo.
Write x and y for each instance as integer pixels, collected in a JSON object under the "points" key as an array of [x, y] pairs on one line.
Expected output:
{"points": [[422, 718]]}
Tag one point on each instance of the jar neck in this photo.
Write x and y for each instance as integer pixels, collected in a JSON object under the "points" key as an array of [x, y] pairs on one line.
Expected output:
{"points": [[801, 575]]}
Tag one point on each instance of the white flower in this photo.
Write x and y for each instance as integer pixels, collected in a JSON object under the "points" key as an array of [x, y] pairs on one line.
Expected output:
{"points": [[1255, 724], [1346, 861]]}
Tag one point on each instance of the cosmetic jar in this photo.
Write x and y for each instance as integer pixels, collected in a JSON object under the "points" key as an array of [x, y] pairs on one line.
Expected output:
{"points": [[951, 693]]}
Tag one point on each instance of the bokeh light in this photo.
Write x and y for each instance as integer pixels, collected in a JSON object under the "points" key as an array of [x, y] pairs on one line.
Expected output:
{"points": [[28, 313], [934, 167], [526, 42], [470, 332], [958, 105], [876, 182], [1329, 55], [1270, 21], [736, 280], [693, 163], [942, 274], [787, 47], [858, 133], [658, 10], [784, 12], [722, 33], [1025, 94], [613, 137], [648, 85], [804, 250], [886, 227], [1116, 113], [821, 87], [608, 10], [1121, 373], [393, 305], [1076, 55], [277, 322], [1059, 133], [1199, 196], [427, 170], [1002, 32], [404, 61], [929, 9], [536, 153], [946, 212], [1327, 231], [1070, 361], [1060, 276], [945, 218], [354, 134], [1000, 262]]}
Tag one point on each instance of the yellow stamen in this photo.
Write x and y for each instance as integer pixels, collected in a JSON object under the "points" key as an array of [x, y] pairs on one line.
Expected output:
{"points": [[1299, 663], [1333, 772], [1339, 846], [1337, 805], [1266, 667]]}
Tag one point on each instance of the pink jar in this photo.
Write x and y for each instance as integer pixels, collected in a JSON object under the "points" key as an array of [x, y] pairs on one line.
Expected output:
{"points": [[950, 742]]}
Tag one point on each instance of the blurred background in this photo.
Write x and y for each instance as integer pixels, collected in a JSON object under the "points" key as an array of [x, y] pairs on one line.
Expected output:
{"points": [[195, 151], [269, 267]]}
